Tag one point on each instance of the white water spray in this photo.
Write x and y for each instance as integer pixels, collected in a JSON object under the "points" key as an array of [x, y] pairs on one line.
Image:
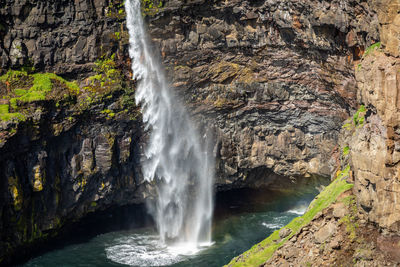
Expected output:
{"points": [[175, 157]]}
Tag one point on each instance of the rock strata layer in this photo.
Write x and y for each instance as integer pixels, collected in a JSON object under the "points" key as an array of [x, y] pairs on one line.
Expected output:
{"points": [[275, 79]]}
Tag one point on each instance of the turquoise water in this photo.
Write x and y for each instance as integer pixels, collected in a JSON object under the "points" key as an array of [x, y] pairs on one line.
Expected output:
{"points": [[239, 224]]}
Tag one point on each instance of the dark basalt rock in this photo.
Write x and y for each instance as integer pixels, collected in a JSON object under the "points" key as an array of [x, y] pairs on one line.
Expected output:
{"points": [[56, 169]]}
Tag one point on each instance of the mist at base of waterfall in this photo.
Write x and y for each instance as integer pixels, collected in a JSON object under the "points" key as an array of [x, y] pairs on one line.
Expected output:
{"points": [[242, 219]]}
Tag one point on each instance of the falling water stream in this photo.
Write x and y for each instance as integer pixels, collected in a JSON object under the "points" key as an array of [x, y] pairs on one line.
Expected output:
{"points": [[176, 158]]}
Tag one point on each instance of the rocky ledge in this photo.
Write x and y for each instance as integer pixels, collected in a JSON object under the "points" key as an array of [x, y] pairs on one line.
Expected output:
{"points": [[66, 150]]}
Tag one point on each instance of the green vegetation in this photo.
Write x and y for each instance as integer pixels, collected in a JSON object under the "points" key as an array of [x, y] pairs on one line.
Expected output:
{"points": [[358, 117], [263, 251], [350, 220], [42, 85], [110, 114], [107, 74], [117, 35], [21, 87], [116, 9], [372, 48], [346, 150], [5, 115], [151, 7], [357, 120]]}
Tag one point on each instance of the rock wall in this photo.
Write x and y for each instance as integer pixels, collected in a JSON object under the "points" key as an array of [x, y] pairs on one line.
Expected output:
{"points": [[275, 79], [375, 148], [338, 236], [65, 37], [63, 163]]}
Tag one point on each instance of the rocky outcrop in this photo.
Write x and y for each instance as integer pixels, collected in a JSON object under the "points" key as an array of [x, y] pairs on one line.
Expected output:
{"points": [[362, 228], [67, 159], [375, 147], [275, 79], [338, 236], [65, 37]]}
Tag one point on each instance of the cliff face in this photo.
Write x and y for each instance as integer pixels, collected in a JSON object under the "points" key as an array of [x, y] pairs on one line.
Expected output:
{"points": [[375, 148], [275, 80], [362, 227], [68, 152], [64, 162], [65, 37]]}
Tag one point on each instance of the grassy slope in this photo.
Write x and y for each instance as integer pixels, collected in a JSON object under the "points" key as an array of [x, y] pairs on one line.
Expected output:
{"points": [[264, 250]]}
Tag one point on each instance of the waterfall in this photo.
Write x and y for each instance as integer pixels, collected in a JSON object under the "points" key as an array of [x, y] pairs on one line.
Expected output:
{"points": [[176, 159]]}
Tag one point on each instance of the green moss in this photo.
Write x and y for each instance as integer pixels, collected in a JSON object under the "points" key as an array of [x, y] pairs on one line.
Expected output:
{"points": [[151, 7], [20, 92], [110, 114], [117, 35], [343, 173], [26, 88], [346, 150], [357, 120], [372, 48], [263, 251], [6, 116], [108, 77], [350, 220], [13, 75], [358, 117]]}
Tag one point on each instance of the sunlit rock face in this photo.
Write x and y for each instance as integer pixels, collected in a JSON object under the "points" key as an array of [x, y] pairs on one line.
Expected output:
{"points": [[275, 79], [375, 148]]}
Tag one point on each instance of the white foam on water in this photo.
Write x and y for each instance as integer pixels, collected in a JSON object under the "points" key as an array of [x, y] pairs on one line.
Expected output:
{"points": [[272, 225], [298, 210], [147, 250]]}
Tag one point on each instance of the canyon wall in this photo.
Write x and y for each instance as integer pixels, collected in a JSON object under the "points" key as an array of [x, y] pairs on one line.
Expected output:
{"points": [[274, 80]]}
